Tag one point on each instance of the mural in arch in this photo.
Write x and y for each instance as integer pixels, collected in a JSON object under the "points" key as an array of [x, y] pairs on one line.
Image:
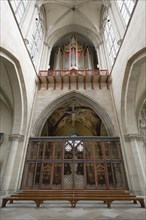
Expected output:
{"points": [[74, 118]]}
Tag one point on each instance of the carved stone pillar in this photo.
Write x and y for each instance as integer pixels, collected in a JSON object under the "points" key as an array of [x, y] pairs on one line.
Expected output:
{"points": [[15, 141], [138, 153]]}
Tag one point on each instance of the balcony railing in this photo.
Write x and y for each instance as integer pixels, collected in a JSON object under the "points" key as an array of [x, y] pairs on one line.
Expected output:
{"points": [[73, 72]]}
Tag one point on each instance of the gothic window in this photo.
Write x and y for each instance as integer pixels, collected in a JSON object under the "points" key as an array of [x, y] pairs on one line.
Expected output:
{"points": [[126, 8], [19, 8], [36, 40], [77, 144], [110, 40]]}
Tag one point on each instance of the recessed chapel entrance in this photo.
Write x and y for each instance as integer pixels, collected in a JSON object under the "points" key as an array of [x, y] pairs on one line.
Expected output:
{"points": [[74, 151]]}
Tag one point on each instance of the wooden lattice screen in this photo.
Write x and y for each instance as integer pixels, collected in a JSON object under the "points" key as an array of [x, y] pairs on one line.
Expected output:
{"points": [[74, 163]]}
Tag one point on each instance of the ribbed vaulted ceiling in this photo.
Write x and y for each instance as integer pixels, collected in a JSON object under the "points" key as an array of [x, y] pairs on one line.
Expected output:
{"points": [[68, 16]]}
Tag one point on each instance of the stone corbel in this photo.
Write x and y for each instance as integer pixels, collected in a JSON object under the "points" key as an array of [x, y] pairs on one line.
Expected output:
{"points": [[16, 137], [132, 137]]}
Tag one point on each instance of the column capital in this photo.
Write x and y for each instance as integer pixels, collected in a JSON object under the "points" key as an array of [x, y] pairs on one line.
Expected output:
{"points": [[132, 137], [16, 137]]}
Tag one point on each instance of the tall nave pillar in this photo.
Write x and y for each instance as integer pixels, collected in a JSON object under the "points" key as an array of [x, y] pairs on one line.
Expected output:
{"points": [[11, 177], [136, 158]]}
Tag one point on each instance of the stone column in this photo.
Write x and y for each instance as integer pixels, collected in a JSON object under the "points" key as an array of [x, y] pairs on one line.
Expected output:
{"points": [[98, 55], [101, 56], [58, 64], [8, 177], [138, 152], [47, 58], [44, 58]]}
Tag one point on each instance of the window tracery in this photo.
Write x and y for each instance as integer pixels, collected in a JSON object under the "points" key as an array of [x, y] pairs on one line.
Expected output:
{"points": [[110, 40], [35, 40], [126, 8], [19, 8]]}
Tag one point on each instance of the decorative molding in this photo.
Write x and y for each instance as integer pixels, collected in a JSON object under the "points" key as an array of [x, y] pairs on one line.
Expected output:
{"points": [[16, 137], [142, 121], [132, 137]]}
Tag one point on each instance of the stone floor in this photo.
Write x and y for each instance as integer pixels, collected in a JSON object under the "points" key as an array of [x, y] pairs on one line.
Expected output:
{"points": [[62, 211]]}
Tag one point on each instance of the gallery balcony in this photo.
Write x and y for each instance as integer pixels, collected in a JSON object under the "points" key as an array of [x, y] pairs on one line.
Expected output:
{"points": [[73, 76]]}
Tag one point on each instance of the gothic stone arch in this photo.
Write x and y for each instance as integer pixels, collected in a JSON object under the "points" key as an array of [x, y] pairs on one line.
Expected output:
{"points": [[84, 99]]}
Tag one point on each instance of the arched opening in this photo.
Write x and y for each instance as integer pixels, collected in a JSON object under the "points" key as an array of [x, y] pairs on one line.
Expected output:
{"points": [[73, 51], [133, 94], [133, 118], [66, 103], [12, 117], [74, 149], [13, 92], [74, 118]]}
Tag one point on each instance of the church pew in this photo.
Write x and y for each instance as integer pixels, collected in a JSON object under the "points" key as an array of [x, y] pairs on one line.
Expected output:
{"points": [[107, 198], [111, 193], [73, 196], [38, 199], [45, 193]]}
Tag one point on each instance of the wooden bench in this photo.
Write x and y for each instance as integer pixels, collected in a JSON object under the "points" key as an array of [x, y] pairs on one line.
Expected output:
{"points": [[71, 193], [107, 198], [73, 196], [39, 196]]}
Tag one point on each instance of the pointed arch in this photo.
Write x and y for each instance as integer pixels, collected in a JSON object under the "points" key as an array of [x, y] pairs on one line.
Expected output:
{"points": [[16, 96], [48, 110], [52, 37], [133, 92]]}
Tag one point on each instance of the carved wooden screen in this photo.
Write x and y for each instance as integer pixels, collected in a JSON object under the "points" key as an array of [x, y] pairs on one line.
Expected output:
{"points": [[74, 164]]}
